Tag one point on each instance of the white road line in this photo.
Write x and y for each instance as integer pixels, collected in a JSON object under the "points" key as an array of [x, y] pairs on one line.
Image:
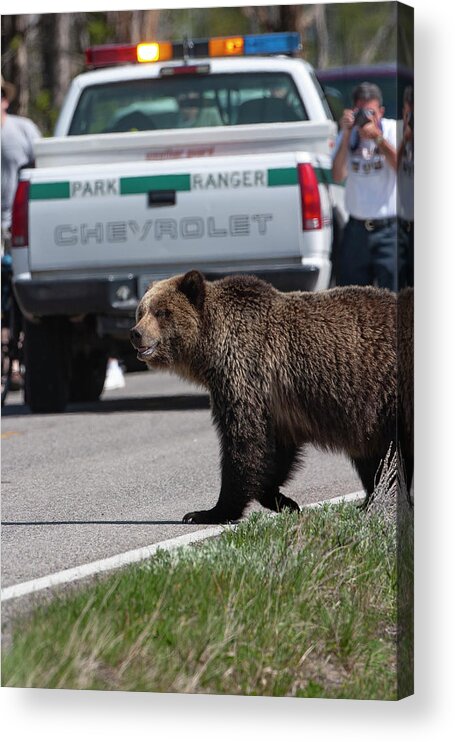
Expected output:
{"points": [[351, 497], [136, 555]]}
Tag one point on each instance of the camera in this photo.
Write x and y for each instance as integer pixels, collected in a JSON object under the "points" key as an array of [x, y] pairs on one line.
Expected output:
{"points": [[363, 116]]}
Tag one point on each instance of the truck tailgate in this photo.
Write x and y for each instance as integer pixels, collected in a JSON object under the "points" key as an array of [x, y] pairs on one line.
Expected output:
{"points": [[166, 214]]}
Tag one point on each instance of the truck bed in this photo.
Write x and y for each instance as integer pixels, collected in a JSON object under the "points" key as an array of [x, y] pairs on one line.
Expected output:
{"points": [[310, 136]]}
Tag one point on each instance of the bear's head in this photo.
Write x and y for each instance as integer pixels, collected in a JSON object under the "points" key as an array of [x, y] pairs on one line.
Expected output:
{"points": [[168, 320]]}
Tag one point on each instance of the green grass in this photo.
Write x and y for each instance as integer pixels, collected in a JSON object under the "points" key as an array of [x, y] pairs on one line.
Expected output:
{"points": [[295, 605]]}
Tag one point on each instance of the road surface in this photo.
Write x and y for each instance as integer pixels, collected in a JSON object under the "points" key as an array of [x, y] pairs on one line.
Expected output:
{"points": [[116, 475]]}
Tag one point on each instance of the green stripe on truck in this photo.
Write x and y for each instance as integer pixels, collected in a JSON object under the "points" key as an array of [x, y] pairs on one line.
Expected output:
{"points": [[282, 176], [146, 183], [324, 175], [49, 190]]}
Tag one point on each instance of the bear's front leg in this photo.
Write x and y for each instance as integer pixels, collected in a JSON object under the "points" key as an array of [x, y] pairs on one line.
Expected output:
{"points": [[245, 458]]}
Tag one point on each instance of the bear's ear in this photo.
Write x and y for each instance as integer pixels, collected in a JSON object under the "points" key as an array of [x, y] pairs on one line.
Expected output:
{"points": [[193, 286]]}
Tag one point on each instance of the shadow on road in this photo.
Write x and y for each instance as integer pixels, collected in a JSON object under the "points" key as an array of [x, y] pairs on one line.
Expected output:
{"points": [[92, 523], [171, 403]]}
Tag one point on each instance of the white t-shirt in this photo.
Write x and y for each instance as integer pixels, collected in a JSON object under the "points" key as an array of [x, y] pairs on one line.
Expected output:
{"points": [[18, 135], [371, 183]]}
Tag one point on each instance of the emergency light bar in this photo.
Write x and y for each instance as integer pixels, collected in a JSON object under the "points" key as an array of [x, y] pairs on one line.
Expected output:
{"points": [[223, 46]]}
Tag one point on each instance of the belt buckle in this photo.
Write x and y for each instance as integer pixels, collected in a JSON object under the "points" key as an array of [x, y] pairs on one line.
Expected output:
{"points": [[369, 226]]}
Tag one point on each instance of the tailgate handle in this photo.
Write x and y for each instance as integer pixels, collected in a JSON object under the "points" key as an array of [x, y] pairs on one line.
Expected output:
{"points": [[161, 198]]}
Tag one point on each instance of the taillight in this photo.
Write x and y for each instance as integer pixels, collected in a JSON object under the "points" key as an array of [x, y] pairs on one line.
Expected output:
{"points": [[19, 227], [310, 198]]}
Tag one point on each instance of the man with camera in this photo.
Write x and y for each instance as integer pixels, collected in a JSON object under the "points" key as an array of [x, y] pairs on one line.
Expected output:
{"points": [[365, 158]]}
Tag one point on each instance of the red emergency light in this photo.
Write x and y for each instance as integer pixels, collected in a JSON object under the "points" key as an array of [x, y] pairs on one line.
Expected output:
{"points": [[109, 54]]}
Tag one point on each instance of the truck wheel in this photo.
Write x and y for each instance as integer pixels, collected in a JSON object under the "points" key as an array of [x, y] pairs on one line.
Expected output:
{"points": [[131, 362], [47, 364], [88, 371]]}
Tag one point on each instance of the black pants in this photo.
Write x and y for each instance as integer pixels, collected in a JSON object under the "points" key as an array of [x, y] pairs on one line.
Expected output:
{"points": [[370, 257], [406, 239]]}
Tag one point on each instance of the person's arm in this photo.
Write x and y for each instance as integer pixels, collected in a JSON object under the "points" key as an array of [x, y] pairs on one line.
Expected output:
{"points": [[389, 152], [339, 166], [32, 133], [373, 131]]}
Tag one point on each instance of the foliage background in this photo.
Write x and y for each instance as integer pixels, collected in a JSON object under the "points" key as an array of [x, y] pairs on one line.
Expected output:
{"points": [[42, 52]]}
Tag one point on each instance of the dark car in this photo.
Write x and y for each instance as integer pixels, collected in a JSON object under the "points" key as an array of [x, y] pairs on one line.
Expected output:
{"points": [[339, 82]]}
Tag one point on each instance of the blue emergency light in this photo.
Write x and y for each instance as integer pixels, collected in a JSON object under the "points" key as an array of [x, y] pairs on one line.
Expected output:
{"points": [[272, 43]]}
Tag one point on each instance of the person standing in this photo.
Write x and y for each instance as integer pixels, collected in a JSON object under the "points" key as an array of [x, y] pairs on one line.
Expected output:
{"points": [[365, 158], [18, 137]]}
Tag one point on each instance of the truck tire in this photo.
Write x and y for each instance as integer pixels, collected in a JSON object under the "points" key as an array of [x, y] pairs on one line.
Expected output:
{"points": [[47, 364], [130, 361], [88, 371]]}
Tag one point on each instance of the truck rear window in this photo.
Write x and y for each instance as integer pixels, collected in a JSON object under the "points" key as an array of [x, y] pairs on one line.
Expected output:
{"points": [[184, 101]]}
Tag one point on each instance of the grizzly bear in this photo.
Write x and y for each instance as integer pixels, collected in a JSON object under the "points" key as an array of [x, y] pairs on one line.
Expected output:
{"points": [[282, 370]]}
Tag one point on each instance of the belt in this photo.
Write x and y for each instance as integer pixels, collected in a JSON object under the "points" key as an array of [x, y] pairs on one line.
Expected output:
{"points": [[372, 224], [406, 224]]}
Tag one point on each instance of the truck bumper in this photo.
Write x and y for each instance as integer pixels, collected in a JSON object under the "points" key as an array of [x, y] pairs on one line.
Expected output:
{"points": [[119, 296], [74, 297], [300, 278]]}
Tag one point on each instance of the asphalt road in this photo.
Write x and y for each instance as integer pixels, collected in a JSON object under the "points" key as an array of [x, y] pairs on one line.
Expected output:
{"points": [[105, 478]]}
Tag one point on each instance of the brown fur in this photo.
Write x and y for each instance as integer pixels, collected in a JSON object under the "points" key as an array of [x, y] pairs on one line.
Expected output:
{"points": [[282, 370]]}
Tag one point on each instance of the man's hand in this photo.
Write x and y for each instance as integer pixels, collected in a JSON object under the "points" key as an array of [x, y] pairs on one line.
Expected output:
{"points": [[370, 130], [347, 120]]}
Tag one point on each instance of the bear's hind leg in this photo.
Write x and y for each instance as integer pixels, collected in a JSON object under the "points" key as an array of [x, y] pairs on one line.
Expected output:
{"points": [[276, 501], [284, 462], [369, 470]]}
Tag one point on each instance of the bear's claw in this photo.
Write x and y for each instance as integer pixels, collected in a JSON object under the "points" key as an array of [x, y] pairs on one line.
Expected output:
{"points": [[208, 517]]}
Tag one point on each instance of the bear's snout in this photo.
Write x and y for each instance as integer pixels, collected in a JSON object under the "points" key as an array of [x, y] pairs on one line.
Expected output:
{"points": [[143, 343], [136, 337]]}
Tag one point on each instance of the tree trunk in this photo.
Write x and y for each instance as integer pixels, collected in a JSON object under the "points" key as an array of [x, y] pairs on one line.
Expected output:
{"points": [[21, 77], [136, 26], [380, 37], [64, 68], [151, 25], [322, 36]]}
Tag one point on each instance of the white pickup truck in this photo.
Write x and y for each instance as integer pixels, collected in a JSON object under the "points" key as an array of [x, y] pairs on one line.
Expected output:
{"points": [[214, 155]]}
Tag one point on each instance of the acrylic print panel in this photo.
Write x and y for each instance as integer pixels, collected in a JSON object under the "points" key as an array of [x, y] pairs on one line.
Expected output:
{"points": [[237, 210]]}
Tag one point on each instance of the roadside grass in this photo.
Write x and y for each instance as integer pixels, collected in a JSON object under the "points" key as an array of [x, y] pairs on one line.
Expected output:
{"points": [[292, 605]]}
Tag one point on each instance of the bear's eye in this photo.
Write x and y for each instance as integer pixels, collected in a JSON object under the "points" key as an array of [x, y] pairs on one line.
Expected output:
{"points": [[161, 313]]}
